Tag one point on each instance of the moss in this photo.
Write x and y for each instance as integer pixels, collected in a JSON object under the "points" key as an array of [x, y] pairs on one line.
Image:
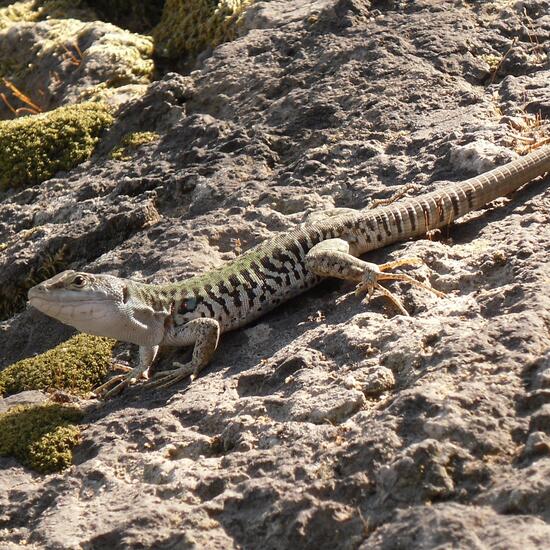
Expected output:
{"points": [[38, 61], [76, 366], [190, 26], [131, 142], [41, 437], [34, 148], [65, 54]]}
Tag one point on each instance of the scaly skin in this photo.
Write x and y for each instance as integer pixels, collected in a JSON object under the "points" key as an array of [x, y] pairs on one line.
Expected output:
{"points": [[196, 311]]}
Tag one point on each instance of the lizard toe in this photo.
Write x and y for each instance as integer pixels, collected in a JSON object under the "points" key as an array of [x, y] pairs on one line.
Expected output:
{"points": [[167, 378], [100, 391]]}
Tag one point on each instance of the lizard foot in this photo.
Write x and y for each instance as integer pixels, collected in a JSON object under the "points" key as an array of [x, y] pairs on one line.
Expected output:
{"points": [[374, 274], [118, 383], [167, 378]]}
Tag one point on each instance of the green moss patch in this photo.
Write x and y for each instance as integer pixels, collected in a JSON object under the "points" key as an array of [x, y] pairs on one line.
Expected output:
{"points": [[190, 26], [131, 143], [34, 148], [76, 366], [41, 437]]}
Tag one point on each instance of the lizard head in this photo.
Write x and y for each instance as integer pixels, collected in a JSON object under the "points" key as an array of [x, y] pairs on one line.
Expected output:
{"points": [[87, 302]]}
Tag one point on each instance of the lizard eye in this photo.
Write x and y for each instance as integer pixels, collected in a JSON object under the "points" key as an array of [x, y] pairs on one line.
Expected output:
{"points": [[79, 280]]}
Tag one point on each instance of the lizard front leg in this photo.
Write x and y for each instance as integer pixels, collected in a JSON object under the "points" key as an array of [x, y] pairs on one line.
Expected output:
{"points": [[204, 333], [118, 383], [334, 258]]}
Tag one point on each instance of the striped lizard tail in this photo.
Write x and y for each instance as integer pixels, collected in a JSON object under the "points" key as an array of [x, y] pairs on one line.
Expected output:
{"points": [[482, 189], [414, 217]]}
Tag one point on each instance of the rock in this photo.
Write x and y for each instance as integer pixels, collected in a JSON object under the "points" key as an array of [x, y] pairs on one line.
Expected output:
{"points": [[51, 59], [329, 423], [30, 397]]}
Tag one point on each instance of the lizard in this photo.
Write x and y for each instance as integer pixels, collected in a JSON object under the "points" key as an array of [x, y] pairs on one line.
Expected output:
{"points": [[195, 311]]}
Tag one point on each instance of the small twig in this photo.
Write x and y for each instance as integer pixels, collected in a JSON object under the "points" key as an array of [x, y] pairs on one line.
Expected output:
{"points": [[497, 68], [399, 194], [21, 96], [71, 56], [25, 110], [537, 49], [8, 104]]}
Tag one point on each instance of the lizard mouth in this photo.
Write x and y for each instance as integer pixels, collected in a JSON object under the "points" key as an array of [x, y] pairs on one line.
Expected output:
{"points": [[72, 302], [71, 298], [70, 310], [55, 305]]}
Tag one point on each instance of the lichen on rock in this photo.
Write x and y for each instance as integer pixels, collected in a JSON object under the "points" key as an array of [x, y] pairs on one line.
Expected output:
{"points": [[121, 57], [75, 366], [190, 27], [13, 13], [39, 10], [34, 148], [131, 142], [41, 437]]}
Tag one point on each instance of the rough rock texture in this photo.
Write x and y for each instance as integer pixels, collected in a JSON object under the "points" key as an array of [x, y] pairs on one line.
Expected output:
{"points": [[327, 424]]}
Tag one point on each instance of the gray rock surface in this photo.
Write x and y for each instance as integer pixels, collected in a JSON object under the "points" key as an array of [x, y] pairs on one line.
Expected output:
{"points": [[327, 424]]}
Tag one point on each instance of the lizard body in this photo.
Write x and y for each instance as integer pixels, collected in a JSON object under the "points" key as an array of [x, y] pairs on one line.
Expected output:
{"points": [[197, 310]]}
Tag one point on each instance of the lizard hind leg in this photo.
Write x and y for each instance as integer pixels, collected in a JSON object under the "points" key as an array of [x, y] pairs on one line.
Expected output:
{"points": [[334, 258]]}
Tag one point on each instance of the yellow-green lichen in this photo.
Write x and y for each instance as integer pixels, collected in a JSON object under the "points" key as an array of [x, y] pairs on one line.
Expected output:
{"points": [[75, 366], [23, 235], [131, 142], [492, 60], [37, 10], [34, 148], [123, 57], [16, 12], [190, 26], [113, 96], [41, 437]]}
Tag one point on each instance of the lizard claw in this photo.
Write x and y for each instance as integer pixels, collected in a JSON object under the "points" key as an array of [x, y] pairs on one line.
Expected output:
{"points": [[113, 386], [118, 383], [374, 273], [167, 378]]}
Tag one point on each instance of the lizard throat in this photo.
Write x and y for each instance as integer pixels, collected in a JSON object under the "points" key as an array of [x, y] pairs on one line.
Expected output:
{"points": [[73, 310]]}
